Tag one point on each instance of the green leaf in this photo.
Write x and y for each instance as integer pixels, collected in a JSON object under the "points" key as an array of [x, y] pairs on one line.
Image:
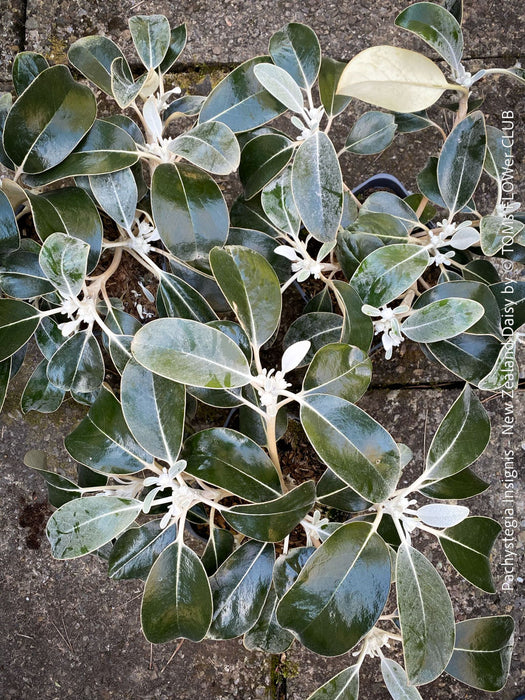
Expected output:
{"points": [[469, 356], [83, 525], [496, 231], [177, 599], [71, 211], [240, 587], [442, 319], [18, 322], [211, 146], [358, 328], [26, 66], [9, 234], [59, 489], [178, 299], [152, 37], [388, 272], [116, 193], [230, 460], [279, 205], [396, 681], [425, 614], [279, 83], [371, 133], [265, 245], [455, 7], [191, 353], [435, 25], [334, 492], [273, 520], [318, 327], [240, 101], [103, 441], [339, 369], [483, 652], [496, 154], [189, 210], [252, 289], [330, 614], [352, 444], [410, 122], [5, 375], [218, 548], [189, 105], [317, 186], [63, 260], [461, 162], [288, 567], [295, 48], [464, 484], [505, 374], [48, 120], [39, 394], [460, 439], [267, 634], [250, 214], [20, 273], [329, 76], [77, 365], [343, 686], [93, 56], [125, 90], [393, 78], [137, 549], [389, 203], [177, 43], [382, 226], [154, 409], [262, 158], [105, 149], [468, 546]]}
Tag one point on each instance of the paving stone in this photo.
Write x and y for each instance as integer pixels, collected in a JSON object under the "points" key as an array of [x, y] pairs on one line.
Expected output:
{"points": [[11, 33]]}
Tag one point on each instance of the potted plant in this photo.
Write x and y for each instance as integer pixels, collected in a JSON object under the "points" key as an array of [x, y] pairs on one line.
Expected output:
{"points": [[284, 561]]}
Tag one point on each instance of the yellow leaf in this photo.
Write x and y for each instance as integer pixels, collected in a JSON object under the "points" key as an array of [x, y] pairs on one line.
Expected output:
{"points": [[393, 78]]}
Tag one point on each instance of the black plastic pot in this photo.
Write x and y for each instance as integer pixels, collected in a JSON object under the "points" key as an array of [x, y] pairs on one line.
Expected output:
{"points": [[382, 181]]}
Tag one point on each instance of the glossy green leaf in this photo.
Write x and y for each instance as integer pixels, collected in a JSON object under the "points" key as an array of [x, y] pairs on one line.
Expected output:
{"points": [[329, 76], [389, 203], [318, 327], [60, 490], [83, 525], [191, 353], [371, 133], [250, 214], [77, 364], [117, 194], [497, 231], [20, 273], [339, 369], [461, 437], [511, 295], [151, 35], [288, 567], [461, 162], [279, 205], [63, 260], [442, 319], [464, 484], [39, 394], [189, 210], [317, 186], [189, 105], [412, 121], [262, 158], [125, 90], [6, 102], [381, 226], [496, 154], [177, 599], [178, 299], [483, 652], [18, 322], [252, 289], [211, 146], [435, 25], [178, 37], [469, 356], [505, 374], [468, 546], [240, 587], [48, 120], [396, 681], [330, 614], [343, 686], [228, 459], [334, 492], [267, 634], [481, 270], [265, 245], [240, 101], [295, 48], [388, 272], [218, 548], [9, 234], [358, 328], [352, 444], [103, 441], [279, 83], [353, 247], [93, 56], [425, 614], [137, 549], [105, 149], [26, 66], [154, 409], [273, 520]]}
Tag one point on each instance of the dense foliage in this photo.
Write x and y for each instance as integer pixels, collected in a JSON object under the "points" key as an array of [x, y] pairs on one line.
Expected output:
{"points": [[140, 184]]}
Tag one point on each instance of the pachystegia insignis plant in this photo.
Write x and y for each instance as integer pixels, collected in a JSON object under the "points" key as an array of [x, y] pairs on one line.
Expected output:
{"points": [[223, 277]]}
